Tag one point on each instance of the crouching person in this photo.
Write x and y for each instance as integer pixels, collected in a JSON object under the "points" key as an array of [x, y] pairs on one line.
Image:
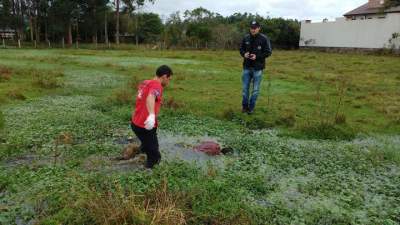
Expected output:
{"points": [[144, 118]]}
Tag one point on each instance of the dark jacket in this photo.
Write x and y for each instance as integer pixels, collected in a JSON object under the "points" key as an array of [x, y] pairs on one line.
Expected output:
{"points": [[258, 45]]}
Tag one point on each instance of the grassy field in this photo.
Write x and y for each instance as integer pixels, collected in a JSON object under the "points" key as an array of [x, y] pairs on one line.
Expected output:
{"points": [[322, 147]]}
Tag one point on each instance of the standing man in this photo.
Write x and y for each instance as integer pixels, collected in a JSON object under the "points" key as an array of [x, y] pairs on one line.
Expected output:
{"points": [[255, 48], [144, 119]]}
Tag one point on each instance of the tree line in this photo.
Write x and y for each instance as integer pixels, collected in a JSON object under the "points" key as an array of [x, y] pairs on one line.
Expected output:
{"points": [[123, 21]]}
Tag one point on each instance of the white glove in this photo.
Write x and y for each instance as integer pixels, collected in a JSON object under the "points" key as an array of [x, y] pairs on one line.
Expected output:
{"points": [[150, 122]]}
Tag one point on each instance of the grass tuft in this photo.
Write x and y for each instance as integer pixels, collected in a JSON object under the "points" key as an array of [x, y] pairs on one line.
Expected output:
{"points": [[328, 131], [16, 94], [47, 80]]}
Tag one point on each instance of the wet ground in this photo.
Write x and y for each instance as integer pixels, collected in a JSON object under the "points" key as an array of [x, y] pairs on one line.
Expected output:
{"points": [[172, 148]]}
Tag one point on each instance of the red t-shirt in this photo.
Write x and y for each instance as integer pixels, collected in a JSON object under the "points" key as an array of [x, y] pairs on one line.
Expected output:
{"points": [[141, 113]]}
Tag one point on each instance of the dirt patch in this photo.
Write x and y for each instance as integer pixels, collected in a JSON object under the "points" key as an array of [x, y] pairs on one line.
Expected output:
{"points": [[5, 74]]}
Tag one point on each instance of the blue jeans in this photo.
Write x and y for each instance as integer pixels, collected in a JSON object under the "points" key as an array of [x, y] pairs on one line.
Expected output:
{"points": [[255, 77]]}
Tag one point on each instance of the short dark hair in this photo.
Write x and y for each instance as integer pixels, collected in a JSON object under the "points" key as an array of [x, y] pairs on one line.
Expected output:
{"points": [[164, 69]]}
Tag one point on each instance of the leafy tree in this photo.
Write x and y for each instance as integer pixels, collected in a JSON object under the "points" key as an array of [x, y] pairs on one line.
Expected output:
{"points": [[392, 3]]}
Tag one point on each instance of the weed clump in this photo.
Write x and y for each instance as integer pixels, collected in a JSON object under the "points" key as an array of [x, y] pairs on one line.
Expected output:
{"points": [[328, 131], [48, 80], [133, 83], [287, 120], [254, 122], [1, 120], [121, 207], [5, 74], [377, 156], [229, 114], [340, 119], [121, 97], [16, 94], [171, 103]]}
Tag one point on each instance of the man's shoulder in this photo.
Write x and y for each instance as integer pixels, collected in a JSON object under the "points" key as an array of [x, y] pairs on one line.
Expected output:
{"points": [[264, 36], [155, 84]]}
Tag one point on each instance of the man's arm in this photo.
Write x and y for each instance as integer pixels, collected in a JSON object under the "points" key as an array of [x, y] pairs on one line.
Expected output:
{"points": [[266, 50], [151, 119], [150, 103]]}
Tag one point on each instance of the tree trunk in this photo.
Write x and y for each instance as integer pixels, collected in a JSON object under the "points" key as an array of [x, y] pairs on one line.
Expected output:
{"points": [[117, 2], [78, 36], [69, 37], [94, 38], [105, 28], [46, 34], [31, 27], [137, 29], [37, 30], [94, 34], [14, 12]]}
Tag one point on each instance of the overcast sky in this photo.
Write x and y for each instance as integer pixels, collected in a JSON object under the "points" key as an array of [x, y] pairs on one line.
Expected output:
{"points": [[294, 9]]}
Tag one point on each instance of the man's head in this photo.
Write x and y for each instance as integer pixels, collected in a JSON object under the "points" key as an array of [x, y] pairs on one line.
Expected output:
{"points": [[254, 28], [164, 74]]}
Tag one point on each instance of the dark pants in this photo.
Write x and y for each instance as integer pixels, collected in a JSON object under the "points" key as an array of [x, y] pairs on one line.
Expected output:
{"points": [[149, 141]]}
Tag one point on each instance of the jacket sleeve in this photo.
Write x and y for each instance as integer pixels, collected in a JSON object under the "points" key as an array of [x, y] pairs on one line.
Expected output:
{"points": [[243, 47], [267, 49]]}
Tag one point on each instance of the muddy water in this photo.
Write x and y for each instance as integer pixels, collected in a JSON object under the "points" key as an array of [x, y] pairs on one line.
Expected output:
{"points": [[173, 148], [179, 147]]}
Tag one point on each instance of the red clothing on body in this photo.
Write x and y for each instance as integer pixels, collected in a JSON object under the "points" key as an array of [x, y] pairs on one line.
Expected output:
{"points": [[141, 113]]}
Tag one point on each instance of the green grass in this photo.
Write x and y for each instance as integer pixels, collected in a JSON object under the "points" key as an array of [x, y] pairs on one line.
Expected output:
{"points": [[317, 163], [209, 83]]}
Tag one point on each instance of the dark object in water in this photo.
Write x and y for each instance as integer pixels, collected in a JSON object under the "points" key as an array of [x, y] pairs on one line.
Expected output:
{"points": [[227, 150], [212, 148], [129, 152]]}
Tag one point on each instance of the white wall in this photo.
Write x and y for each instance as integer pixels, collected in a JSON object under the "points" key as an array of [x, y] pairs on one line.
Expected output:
{"points": [[342, 33]]}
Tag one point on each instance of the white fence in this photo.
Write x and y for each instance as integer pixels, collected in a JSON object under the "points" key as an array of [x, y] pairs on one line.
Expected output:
{"points": [[372, 33]]}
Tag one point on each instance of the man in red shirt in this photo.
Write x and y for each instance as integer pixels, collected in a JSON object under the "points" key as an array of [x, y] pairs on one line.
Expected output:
{"points": [[144, 119]]}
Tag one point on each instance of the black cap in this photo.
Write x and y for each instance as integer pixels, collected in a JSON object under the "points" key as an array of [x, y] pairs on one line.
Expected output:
{"points": [[254, 24]]}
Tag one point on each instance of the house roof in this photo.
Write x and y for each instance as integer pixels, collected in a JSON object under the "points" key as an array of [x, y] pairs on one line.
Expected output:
{"points": [[366, 9]]}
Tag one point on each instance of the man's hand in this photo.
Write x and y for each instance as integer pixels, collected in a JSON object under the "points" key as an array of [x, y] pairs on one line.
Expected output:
{"points": [[253, 56], [150, 122], [247, 55]]}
